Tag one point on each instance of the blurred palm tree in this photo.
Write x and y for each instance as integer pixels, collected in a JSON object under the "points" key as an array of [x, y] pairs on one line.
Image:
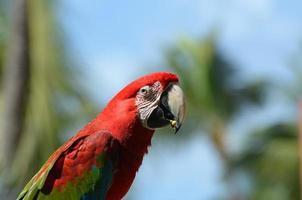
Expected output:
{"points": [[214, 92], [3, 37], [271, 162], [271, 157], [15, 80], [214, 96], [55, 100]]}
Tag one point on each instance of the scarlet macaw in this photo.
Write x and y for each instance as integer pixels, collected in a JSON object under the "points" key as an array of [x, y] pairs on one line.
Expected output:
{"points": [[101, 160]]}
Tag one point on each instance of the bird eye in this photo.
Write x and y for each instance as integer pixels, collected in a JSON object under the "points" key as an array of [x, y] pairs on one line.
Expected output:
{"points": [[145, 90]]}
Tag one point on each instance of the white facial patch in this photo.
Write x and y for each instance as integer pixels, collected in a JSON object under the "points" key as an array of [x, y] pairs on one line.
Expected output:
{"points": [[147, 99]]}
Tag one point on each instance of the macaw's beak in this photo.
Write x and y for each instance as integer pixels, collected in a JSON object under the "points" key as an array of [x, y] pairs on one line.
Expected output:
{"points": [[171, 109]]}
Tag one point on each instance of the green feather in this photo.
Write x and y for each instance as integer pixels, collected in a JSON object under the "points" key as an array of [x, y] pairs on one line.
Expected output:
{"points": [[91, 184]]}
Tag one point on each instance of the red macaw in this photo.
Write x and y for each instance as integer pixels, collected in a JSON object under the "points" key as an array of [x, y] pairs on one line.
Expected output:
{"points": [[101, 160]]}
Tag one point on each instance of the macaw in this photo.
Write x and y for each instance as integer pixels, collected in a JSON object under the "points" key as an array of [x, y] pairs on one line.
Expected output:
{"points": [[101, 160]]}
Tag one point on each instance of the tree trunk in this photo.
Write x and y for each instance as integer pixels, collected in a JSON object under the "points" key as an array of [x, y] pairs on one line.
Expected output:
{"points": [[300, 144], [218, 138], [16, 81]]}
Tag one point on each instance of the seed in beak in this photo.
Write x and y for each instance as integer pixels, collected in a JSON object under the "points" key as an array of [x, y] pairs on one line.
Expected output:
{"points": [[173, 123]]}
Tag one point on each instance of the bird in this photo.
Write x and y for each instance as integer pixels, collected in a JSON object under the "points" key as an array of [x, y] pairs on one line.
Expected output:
{"points": [[100, 162]]}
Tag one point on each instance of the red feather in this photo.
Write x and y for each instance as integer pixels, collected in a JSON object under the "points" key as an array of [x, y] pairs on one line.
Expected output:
{"points": [[120, 122]]}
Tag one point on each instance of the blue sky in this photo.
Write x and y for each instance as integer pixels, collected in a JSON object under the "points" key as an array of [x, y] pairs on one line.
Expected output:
{"points": [[128, 35], [116, 41]]}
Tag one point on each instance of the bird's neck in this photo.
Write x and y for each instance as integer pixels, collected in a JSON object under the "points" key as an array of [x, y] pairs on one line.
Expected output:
{"points": [[138, 140], [121, 120]]}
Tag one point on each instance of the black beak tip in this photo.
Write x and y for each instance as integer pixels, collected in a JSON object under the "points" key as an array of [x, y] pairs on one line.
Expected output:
{"points": [[176, 128]]}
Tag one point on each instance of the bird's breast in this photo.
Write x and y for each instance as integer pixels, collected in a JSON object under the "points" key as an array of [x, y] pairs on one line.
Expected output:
{"points": [[124, 175]]}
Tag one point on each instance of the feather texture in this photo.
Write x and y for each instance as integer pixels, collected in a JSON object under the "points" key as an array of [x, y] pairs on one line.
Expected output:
{"points": [[81, 169], [101, 160]]}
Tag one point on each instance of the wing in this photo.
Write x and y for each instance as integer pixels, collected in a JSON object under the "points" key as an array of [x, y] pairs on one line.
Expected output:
{"points": [[80, 169]]}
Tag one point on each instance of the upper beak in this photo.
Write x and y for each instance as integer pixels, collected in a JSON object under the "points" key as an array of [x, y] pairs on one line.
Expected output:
{"points": [[171, 109], [175, 102]]}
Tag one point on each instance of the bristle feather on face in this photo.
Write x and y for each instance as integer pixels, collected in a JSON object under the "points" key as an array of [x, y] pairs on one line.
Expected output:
{"points": [[147, 102]]}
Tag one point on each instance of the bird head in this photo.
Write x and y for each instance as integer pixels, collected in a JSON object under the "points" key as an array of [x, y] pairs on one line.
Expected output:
{"points": [[158, 98]]}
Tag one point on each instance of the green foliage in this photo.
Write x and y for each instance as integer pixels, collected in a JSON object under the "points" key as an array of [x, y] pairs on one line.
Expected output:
{"points": [[3, 33], [271, 160], [215, 93], [207, 80], [56, 99]]}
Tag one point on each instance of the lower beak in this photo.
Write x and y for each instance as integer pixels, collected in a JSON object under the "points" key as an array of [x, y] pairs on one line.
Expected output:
{"points": [[171, 109]]}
